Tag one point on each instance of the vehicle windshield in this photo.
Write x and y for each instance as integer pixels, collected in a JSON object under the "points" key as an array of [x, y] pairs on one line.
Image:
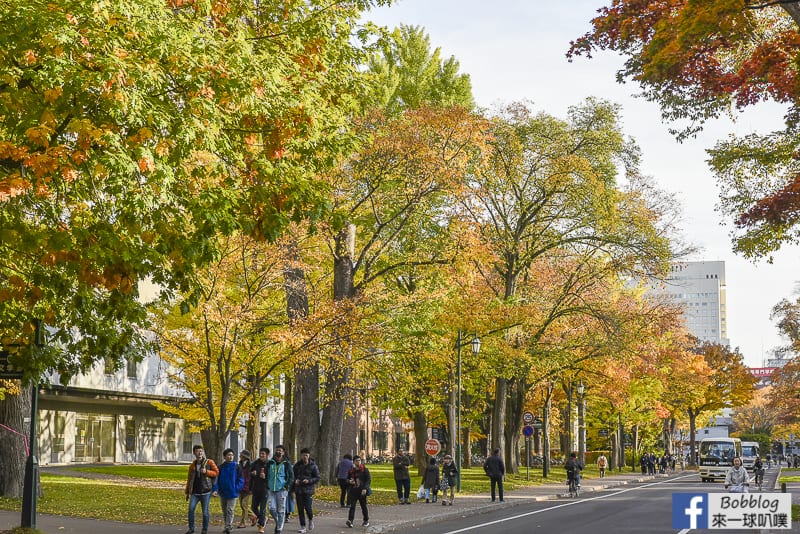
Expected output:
{"points": [[749, 450], [724, 451]]}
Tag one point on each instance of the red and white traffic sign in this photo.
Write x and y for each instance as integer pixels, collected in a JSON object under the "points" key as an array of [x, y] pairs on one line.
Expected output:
{"points": [[527, 418], [432, 447]]}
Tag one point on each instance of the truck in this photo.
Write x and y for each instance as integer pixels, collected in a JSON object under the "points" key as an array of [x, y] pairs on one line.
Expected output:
{"points": [[750, 451]]}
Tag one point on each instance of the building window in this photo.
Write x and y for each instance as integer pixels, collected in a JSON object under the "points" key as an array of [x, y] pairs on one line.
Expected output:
{"points": [[187, 440], [380, 440], [170, 438], [59, 426], [362, 439], [131, 367], [108, 366], [130, 435]]}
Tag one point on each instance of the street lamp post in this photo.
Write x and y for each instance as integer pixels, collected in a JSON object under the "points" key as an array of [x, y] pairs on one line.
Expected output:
{"points": [[581, 423], [476, 348]]}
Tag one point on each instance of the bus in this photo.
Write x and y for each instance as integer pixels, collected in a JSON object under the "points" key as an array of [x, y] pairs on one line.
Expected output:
{"points": [[750, 451], [716, 457]]}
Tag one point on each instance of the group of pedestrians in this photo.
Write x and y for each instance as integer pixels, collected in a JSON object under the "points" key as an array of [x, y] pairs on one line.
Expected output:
{"points": [[259, 487], [652, 464]]}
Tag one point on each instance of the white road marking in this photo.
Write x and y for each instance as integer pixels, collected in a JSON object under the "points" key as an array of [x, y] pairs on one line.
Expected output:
{"points": [[570, 503]]}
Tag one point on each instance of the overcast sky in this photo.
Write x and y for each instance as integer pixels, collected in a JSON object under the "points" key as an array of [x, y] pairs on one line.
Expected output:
{"points": [[515, 50]]}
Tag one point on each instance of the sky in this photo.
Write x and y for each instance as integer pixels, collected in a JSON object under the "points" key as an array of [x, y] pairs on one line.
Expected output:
{"points": [[514, 50]]}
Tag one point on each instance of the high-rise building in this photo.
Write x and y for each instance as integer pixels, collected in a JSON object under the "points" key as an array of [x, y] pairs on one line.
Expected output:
{"points": [[699, 286]]}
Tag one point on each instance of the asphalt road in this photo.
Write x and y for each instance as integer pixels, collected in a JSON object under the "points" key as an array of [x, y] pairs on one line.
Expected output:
{"points": [[637, 508]]}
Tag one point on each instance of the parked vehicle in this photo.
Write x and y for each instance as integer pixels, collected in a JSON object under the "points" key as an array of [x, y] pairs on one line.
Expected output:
{"points": [[750, 451]]}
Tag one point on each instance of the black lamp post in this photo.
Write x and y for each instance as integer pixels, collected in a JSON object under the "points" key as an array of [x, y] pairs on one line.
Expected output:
{"points": [[476, 348], [32, 463]]}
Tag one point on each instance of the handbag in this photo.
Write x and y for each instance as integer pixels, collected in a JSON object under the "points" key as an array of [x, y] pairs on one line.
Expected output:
{"points": [[421, 492]]}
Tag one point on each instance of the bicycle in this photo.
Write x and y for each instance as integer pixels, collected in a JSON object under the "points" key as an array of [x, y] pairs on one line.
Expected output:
{"points": [[574, 488], [759, 478]]}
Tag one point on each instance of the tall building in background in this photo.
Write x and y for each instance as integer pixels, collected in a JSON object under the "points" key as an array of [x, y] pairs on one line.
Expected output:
{"points": [[699, 286]]}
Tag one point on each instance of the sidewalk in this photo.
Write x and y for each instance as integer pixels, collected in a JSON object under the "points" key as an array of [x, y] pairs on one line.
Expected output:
{"points": [[330, 519]]}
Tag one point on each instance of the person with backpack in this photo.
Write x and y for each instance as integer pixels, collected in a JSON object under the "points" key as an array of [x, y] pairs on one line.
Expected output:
{"points": [[228, 484], [573, 467], [245, 496], [280, 479], [360, 482], [602, 463], [200, 483], [430, 481]]}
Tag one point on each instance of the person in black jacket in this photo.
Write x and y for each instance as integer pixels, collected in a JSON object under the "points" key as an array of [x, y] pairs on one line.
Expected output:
{"points": [[449, 479], [495, 469], [360, 481], [258, 485], [306, 476]]}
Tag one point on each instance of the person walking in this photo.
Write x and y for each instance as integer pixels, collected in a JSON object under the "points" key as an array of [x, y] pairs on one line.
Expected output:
{"points": [[199, 484], [495, 469], [306, 477], [280, 478], [430, 481], [602, 463], [448, 481], [246, 495], [402, 478], [360, 482], [258, 485], [227, 485], [342, 472]]}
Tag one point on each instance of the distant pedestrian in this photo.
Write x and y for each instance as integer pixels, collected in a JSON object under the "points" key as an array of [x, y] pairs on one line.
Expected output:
{"points": [[258, 483], [200, 483], [402, 478], [306, 477], [360, 482], [495, 469], [430, 481], [246, 495], [228, 485], [602, 463], [342, 470], [448, 480]]}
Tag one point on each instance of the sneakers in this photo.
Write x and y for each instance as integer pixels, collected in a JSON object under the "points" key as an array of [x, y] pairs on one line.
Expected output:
{"points": [[444, 503], [349, 523], [302, 530], [261, 528], [365, 524], [310, 524]]}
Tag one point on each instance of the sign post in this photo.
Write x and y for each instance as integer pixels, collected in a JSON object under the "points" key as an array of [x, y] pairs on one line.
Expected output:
{"points": [[527, 431]]}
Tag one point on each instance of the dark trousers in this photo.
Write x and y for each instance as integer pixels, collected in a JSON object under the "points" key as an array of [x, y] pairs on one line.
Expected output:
{"points": [[345, 494], [260, 507], [356, 497], [497, 482], [303, 503], [403, 488]]}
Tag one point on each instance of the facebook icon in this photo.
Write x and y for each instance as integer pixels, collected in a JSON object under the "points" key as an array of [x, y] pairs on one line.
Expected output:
{"points": [[690, 510]]}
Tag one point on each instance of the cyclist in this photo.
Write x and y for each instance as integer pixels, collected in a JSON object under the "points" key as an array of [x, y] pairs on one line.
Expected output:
{"points": [[758, 471], [573, 467], [737, 479]]}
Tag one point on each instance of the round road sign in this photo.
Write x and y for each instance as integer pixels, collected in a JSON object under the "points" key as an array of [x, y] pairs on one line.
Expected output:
{"points": [[432, 447], [527, 417], [527, 431]]}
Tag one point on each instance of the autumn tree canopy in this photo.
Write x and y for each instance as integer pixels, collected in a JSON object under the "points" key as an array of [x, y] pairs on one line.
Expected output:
{"points": [[697, 60], [131, 133]]}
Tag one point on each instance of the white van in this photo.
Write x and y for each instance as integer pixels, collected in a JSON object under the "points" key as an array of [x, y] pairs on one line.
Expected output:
{"points": [[716, 457], [750, 451]]}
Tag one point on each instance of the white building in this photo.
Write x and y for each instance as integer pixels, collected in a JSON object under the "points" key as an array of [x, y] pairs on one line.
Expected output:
{"points": [[699, 286], [109, 416]]}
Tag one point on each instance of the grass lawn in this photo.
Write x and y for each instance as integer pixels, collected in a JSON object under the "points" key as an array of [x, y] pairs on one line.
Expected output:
{"points": [[789, 479], [81, 497]]}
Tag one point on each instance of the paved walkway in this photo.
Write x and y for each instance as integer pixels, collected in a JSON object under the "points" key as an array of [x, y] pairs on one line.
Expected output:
{"points": [[330, 519]]}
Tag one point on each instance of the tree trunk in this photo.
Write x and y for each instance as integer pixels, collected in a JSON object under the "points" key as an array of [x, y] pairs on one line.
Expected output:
{"points": [[546, 431], [213, 443], [515, 403], [289, 434], [692, 431], [793, 8], [13, 409], [499, 414], [452, 431], [304, 420], [338, 373], [420, 437]]}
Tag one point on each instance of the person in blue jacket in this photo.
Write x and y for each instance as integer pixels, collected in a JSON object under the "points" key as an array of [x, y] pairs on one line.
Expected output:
{"points": [[280, 479], [228, 485]]}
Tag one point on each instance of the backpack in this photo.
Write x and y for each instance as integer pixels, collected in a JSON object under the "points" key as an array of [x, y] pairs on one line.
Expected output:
{"points": [[602, 462]]}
